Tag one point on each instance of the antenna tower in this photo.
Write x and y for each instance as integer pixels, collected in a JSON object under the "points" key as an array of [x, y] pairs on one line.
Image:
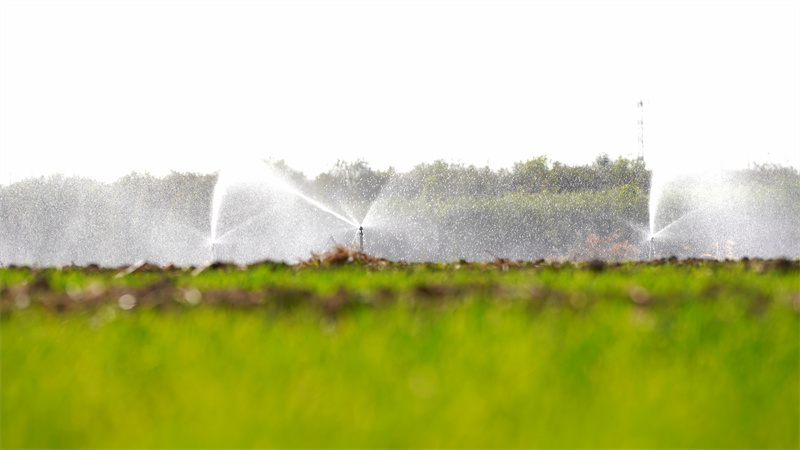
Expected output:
{"points": [[641, 130]]}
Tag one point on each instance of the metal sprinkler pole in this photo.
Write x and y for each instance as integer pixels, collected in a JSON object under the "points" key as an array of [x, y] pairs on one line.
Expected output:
{"points": [[361, 239], [652, 245]]}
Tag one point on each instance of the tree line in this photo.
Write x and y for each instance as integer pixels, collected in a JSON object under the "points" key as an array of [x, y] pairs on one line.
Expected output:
{"points": [[436, 211]]}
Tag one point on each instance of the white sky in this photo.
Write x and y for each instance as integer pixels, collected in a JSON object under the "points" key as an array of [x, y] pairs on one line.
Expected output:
{"points": [[103, 88]]}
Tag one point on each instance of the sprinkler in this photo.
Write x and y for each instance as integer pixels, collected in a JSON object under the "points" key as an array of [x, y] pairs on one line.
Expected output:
{"points": [[361, 239], [652, 245], [213, 252]]}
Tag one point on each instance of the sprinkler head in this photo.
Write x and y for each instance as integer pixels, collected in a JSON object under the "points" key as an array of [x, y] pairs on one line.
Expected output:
{"points": [[361, 229]]}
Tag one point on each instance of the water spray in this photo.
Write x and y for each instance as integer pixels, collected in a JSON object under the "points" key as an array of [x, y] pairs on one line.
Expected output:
{"points": [[361, 239]]}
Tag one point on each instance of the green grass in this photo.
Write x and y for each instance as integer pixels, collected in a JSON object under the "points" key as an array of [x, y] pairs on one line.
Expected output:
{"points": [[703, 355]]}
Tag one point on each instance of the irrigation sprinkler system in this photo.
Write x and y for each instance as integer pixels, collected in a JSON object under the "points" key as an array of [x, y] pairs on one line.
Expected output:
{"points": [[361, 239]]}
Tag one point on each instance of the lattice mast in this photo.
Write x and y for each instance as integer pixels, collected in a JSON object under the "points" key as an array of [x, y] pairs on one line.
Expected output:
{"points": [[641, 129]]}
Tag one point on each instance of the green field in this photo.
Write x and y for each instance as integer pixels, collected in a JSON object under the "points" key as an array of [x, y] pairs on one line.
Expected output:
{"points": [[669, 354]]}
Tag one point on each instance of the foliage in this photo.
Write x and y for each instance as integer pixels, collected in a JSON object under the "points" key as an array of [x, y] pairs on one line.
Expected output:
{"points": [[699, 354], [535, 209]]}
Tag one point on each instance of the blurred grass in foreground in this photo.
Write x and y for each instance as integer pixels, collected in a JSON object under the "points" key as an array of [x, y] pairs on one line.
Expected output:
{"points": [[700, 355]]}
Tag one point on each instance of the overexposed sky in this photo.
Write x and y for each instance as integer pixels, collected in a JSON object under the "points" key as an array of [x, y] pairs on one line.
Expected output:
{"points": [[102, 88]]}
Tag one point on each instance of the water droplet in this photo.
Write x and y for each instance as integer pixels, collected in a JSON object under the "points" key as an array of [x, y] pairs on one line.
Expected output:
{"points": [[22, 301], [127, 302], [192, 296]]}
